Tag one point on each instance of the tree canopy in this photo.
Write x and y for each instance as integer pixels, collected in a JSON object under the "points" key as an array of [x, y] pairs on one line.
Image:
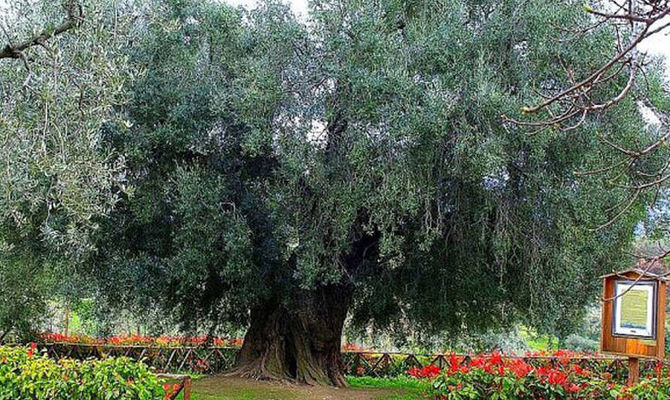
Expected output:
{"points": [[58, 94], [287, 175]]}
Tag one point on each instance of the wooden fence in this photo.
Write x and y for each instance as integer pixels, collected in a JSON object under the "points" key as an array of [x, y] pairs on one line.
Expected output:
{"points": [[394, 363], [165, 359], [210, 360]]}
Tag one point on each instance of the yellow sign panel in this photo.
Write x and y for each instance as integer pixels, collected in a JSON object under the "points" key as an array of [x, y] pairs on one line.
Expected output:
{"points": [[634, 310]]}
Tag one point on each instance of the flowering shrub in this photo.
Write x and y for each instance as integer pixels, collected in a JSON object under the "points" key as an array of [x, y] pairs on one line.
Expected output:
{"points": [[25, 374], [492, 377], [142, 340], [429, 371]]}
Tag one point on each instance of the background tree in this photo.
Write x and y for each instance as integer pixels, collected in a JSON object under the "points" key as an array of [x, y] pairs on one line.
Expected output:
{"points": [[289, 175], [58, 92]]}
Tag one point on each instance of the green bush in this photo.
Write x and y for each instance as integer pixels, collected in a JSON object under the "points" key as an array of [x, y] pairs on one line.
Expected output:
{"points": [[27, 375], [581, 343]]}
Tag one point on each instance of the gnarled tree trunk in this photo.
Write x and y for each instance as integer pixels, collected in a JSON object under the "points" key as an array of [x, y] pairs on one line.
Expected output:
{"points": [[299, 343]]}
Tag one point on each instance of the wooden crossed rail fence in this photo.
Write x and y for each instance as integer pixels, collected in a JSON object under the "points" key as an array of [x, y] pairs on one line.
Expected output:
{"points": [[208, 360]]}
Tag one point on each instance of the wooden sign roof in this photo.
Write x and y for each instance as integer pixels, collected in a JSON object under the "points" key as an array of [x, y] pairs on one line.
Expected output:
{"points": [[645, 275]]}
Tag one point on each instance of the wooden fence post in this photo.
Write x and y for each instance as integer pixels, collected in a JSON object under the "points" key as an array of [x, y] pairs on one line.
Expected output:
{"points": [[187, 388], [633, 370]]}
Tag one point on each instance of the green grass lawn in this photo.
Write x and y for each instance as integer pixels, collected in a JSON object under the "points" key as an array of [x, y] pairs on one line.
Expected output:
{"points": [[363, 388], [411, 388], [537, 341]]}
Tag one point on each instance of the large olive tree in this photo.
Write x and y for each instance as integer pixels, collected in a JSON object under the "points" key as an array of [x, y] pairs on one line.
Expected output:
{"points": [[289, 175]]}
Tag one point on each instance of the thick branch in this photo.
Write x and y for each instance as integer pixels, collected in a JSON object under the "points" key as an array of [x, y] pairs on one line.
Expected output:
{"points": [[74, 17], [593, 77]]}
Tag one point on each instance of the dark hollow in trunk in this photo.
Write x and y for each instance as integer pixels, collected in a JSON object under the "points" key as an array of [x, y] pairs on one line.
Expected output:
{"points": [[300, 343]]}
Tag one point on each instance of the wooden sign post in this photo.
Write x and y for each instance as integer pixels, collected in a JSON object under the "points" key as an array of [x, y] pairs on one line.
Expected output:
{"points": [[633, 323]]}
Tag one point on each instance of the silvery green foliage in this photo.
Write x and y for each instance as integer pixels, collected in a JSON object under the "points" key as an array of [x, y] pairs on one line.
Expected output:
{"points": [[364, 148], [57, 100], [58, 177]]}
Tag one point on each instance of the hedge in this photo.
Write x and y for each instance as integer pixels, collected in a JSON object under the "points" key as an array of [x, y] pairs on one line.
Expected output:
{"points": [[27, 375]]}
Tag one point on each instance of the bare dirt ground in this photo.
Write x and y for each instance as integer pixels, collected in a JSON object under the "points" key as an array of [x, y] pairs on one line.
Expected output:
{"points": [[226, 388]]}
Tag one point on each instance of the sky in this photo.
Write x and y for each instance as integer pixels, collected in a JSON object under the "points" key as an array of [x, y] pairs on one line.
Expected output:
{"points": [[656, 45]]}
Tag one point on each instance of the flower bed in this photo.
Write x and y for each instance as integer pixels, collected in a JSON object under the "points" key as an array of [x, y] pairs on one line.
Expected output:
{"points": [[142, 340], [26, 374], [493, 377]]}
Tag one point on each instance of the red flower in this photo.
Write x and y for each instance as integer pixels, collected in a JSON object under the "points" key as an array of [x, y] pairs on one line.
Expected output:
{"points": [[453, 362], [520, 368], [580, 371], [31, 350], [429, 371], [477, 362], [574, 388], [496, 358], [557, 378]]}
